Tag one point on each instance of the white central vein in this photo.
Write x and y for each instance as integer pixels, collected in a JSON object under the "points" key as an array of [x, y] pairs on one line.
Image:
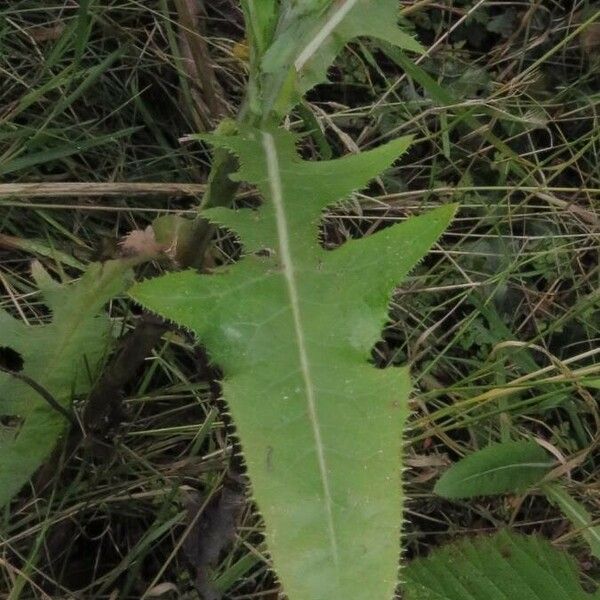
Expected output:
{"points": [[334, 19], [290, 279]]}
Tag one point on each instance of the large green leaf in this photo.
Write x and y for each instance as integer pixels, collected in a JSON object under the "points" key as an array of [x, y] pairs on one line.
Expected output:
{"points": [[500, 567], [292, 326], [311, 34], [497, 469], [60, 359]]}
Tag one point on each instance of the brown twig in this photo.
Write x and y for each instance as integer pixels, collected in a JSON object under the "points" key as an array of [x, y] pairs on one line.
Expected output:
{"points": [[70, 189]]}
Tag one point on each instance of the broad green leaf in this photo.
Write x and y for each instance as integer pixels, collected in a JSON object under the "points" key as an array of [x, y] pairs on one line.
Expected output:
{"points": [[577, 514], [292, 326], [497, 469], [62, 357], [504, 566], [310, 35]]}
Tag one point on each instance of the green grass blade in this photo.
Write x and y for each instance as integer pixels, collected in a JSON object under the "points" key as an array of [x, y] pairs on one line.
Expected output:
{"points": [[577, 514]]}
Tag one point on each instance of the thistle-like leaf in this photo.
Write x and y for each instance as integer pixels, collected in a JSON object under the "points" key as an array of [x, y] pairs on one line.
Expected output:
{"points": [[292, 326], [495, 567], [60, 361], [311, 34]]}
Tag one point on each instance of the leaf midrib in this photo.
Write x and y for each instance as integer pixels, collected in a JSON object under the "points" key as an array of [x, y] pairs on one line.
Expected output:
{"points": [[333, 20], [287, 263], [531, 465]]}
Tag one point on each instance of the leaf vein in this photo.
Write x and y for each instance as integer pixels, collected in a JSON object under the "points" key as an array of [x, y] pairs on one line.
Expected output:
{"points": [[292, 289], [328, 27]]}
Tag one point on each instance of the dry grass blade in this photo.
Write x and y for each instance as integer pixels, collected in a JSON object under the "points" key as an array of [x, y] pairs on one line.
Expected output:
{"points": [[80, 188]]}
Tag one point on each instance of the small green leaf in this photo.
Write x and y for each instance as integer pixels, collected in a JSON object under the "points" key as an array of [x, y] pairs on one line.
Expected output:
{"points": [[504, 24], [311, 35], [504, 566], [61, 357], [497, 469], [577, 514]]}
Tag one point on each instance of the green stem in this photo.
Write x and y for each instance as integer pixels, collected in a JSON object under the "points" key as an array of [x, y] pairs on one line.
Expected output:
{"points": [[221, 191]]}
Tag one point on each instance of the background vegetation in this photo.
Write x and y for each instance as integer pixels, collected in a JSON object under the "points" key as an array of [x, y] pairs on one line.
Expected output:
{"points": [[500, 324]]}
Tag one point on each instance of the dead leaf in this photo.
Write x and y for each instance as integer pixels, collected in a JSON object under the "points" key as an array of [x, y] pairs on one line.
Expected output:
{"points": [[590, 39], [421, 461], [46, 34], [213, 531], [141, 242], [161, 589]]}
